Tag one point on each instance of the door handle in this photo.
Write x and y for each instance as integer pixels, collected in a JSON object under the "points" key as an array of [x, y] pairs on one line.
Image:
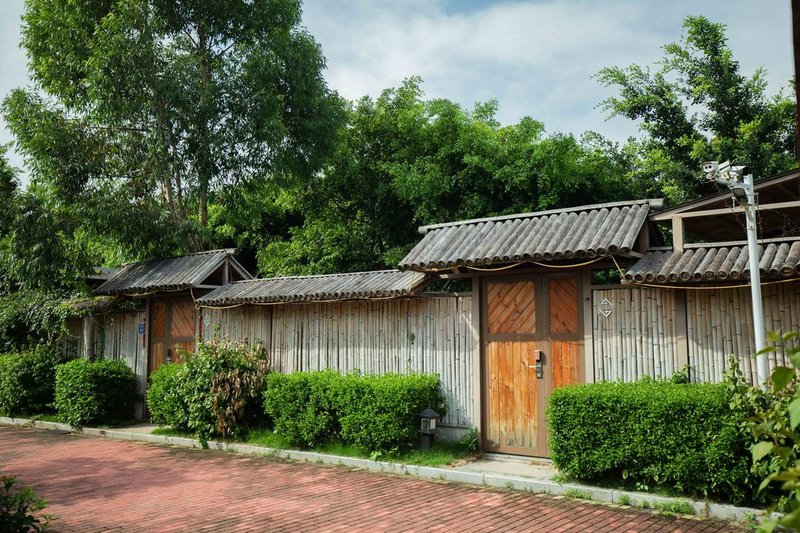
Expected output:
{"points": [[540, 365]]}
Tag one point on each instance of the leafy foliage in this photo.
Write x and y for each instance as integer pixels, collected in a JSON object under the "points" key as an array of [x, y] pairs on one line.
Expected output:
{"points": [[376, 413], [403, 161], [222, 385], [90, 392], [698, 106], [381, 413], [166, 398], [775, 417], [679, 437], [30, 317], [302, 406], [28, 380], [143, 112], [19, 508]]}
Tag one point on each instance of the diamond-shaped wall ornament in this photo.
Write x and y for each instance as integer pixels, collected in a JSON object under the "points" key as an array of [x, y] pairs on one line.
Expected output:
{"points": [[606, 307]]}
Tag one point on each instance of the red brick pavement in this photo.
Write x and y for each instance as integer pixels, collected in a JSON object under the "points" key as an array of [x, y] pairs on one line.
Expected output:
{"points": [[103, 485]]}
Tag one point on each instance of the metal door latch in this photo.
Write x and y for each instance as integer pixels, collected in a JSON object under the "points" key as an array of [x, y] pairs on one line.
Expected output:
{"points": [[540, 365]]}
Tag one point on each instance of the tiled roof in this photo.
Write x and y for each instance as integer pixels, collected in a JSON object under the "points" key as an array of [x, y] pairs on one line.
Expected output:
{"points": [[175, 273], [564, 234], [716, 263], [353, 285]]}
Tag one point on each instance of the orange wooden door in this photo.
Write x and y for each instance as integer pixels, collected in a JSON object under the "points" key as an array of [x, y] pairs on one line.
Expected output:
{"points": [[172, 326], [527, 322]]}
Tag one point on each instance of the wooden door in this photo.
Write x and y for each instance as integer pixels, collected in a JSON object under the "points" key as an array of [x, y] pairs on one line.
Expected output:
{"points": [[528, 322], [172, 326]]}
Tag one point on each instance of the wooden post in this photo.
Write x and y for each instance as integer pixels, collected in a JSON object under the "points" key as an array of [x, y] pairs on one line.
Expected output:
{"points": [[796, 42], [477, 349], [677, 233], [89, 327], [681, 330], [588, 328]]}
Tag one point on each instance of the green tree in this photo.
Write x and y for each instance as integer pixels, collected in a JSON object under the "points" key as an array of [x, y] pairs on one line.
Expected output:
{"points": [[404, 161], [697, 106], [144, 110]]}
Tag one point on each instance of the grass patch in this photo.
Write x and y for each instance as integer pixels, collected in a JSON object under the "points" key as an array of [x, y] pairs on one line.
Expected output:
{"points": [[169, 432], [575, 494], [442, 453], [624, 499], [670, 508], [47, 417]]}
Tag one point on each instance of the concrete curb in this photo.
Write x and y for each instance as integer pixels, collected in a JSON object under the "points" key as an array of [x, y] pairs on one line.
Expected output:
{"points": [[454, 475]]}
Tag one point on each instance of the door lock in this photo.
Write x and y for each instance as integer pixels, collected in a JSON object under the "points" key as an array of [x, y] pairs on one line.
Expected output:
{"points": [[540, 365]]}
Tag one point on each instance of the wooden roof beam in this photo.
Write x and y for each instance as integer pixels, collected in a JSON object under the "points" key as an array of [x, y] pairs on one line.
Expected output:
{"points": [[666, 217]]}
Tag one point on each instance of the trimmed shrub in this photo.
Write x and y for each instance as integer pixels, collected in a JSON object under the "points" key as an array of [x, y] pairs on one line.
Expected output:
{"points": [[99, 391], [222, 389], [166, 397], [381, 413], [679, 437], [28, 381], [301, 406], [377, 413]]}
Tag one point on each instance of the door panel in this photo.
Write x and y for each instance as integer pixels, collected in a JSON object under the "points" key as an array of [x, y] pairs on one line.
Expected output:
{"points": [[514, 420], [564, 357], [512, 307], [172, 326], [563, 305], [515, 333]]}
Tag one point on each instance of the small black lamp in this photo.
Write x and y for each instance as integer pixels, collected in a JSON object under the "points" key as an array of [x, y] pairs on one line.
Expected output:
{"points": [[429, 420]]}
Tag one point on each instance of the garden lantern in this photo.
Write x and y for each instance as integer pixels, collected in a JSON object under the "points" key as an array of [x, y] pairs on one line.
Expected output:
{"points": [[429, 420]]}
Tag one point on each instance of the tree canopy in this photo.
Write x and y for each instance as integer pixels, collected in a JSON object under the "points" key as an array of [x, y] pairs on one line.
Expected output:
{"points": [[697, 106], [143, 111]]}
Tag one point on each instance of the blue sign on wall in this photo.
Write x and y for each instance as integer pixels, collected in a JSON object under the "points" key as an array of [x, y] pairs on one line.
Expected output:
{"points": [[141, 328]]}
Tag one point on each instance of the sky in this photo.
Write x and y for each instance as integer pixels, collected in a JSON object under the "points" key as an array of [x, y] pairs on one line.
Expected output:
{"points": [[537, 58]]}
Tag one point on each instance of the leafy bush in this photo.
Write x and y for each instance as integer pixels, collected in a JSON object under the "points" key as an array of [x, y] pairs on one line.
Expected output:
{"points": [[28, 381], [166, 397], [301, 406], [19, 507], [679, 437], [381, 413], [99, 391], [30, 317], [223, 383], [773, 417], [377, 413]]}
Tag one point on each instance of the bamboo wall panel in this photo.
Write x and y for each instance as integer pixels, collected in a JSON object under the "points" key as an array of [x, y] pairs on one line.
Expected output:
{"points": [[720, 324], [429, 334], [121, 340], [638, 337], [71, 341]]}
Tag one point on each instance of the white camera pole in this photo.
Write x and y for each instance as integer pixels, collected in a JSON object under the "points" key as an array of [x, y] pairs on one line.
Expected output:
{"points": [[762, 361], [740, 183]]}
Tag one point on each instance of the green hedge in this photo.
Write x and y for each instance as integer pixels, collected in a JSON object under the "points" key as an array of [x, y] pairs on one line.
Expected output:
{"points": [[382, 412], [374, 412], [95, 392], [680, 437], [301, 406], [28, 381], [166, 398]]}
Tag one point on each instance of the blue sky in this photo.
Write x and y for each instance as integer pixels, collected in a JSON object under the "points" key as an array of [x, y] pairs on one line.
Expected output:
{"points": [[536, 57]]}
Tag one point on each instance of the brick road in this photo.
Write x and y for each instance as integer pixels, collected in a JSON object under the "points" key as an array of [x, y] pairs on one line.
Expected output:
{"points": [[96, 484]]}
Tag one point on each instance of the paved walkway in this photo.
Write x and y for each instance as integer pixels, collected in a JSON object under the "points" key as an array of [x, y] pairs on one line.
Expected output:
{"points": [[101, 485]]}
